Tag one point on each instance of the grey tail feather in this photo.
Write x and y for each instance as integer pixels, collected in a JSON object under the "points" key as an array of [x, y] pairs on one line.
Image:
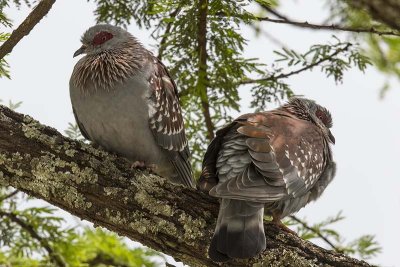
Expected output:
{"points": [[184, 171], [239, 232]]}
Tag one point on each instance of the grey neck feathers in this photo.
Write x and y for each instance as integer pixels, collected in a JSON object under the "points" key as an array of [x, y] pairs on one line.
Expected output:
{"points": [[102, 71]]}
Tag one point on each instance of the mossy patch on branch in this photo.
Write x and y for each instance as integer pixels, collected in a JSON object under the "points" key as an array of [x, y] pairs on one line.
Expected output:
{"points": [[194, 228], [283, 257]]}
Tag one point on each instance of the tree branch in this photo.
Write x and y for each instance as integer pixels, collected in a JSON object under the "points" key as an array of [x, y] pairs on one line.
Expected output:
{"points": [[167, 32], [332, 27], [273, 11], [26, 26], [103, 260], [285, 20], [55, 258], [102, 188], [13, 193], [307, 67]]}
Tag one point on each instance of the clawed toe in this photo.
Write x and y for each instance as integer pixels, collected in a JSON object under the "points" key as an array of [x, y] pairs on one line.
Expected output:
{"points": [[277, 221], [138, 164], [142, 165]]}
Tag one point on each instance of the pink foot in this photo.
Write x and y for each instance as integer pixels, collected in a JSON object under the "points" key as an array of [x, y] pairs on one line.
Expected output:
{"points": [[276, 219], [142, 165], [138, 164]]}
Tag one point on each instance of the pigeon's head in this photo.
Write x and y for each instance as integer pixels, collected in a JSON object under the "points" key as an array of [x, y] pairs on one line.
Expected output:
{"points": [[309, 110], [102, 38]]}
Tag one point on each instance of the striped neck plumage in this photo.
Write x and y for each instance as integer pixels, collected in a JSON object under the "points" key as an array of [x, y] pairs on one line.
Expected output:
{"points": [[103, 70], [297, 109]]}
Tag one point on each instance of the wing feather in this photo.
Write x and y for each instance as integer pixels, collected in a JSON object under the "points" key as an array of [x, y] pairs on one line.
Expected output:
{"points": [[80, 126], [166, 121], [284, 158]]}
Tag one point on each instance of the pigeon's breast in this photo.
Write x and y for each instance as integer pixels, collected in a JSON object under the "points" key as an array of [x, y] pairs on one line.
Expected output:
{"points": [[117, 119]]}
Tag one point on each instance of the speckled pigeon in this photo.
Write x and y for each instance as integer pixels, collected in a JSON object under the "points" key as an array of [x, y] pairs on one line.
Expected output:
{"points": [[272, 163], [124, 99]]}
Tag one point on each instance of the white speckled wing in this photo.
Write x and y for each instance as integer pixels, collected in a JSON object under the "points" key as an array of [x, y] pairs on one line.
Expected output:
{"points": [[166, 121]]}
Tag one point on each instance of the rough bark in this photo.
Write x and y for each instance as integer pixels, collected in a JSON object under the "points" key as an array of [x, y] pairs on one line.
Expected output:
{"points": [[102, 188]]}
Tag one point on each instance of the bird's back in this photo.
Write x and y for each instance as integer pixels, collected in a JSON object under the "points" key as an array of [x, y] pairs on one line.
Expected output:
{"points": [[265, 163]]}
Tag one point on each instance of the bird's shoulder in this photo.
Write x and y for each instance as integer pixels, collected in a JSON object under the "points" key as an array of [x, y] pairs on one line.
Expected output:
{"points": [[158, 75], [286, 129]]}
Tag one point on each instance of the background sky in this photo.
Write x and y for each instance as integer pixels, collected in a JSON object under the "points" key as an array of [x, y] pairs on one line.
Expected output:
{"points": [[367, 130]]}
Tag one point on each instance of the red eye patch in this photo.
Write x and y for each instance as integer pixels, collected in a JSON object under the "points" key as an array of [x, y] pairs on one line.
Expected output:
{"points": [[102, 37], [325, 118]]}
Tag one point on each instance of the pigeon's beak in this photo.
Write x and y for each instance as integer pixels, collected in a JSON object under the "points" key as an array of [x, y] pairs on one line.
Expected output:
{"points": [[80, 51], [331, 137]]}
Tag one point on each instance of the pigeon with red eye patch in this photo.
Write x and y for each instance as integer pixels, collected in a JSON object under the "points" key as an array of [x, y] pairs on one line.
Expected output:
{"points": [[124, 100]]}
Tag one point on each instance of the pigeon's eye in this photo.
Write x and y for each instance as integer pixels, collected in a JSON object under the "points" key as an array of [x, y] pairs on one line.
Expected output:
{"points": [[320, 114], [324, 117], [101, 38]]}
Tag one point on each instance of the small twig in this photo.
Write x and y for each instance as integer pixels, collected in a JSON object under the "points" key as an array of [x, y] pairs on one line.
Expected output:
{"points": [[102, 259], [332, 27], [307, 67], [305, 24], [274, 12], [285, 20], [270, 36], [318, 233], [13, 193], [167, 31], [56, 258], [183, 93], [26, 26]]}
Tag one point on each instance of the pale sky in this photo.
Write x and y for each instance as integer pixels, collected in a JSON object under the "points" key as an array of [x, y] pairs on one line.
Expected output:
{"points": [[367, 185]]}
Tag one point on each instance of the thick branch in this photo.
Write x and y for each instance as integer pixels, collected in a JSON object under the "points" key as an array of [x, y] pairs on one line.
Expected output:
{"points": [[26, 26], [103, 189], [306, 67], [55, 258]]}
